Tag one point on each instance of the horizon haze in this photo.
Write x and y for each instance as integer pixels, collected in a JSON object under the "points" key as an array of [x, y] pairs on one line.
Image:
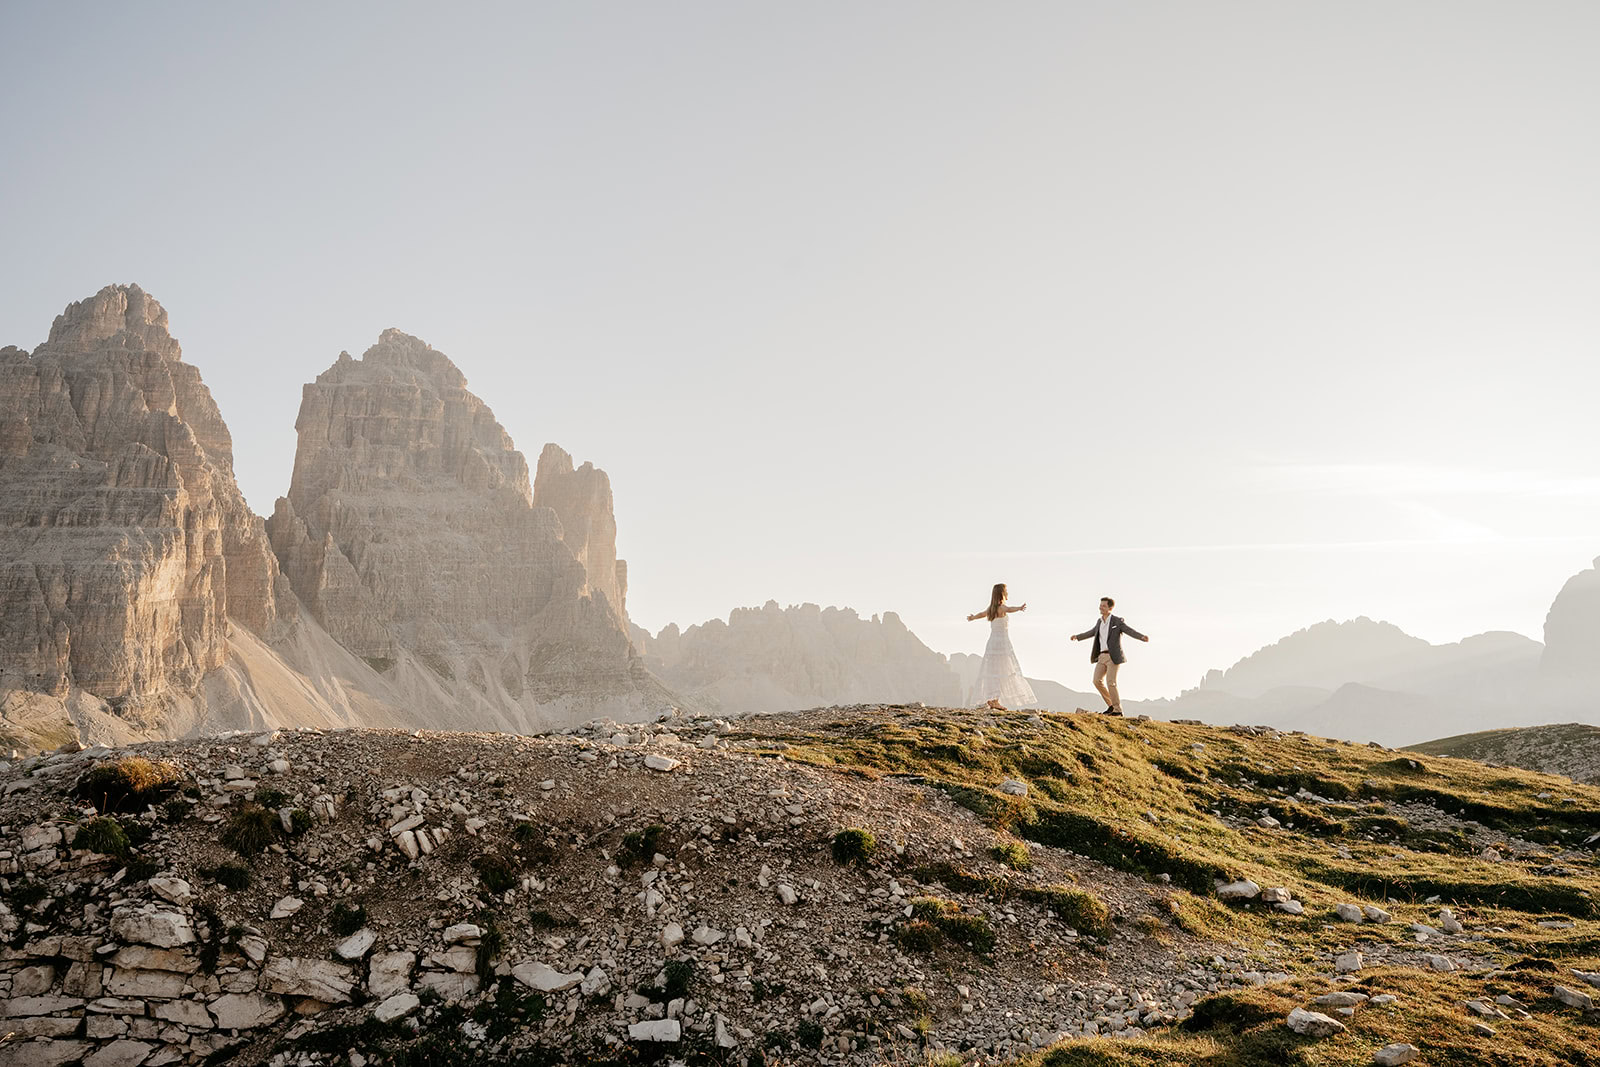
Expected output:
{"points": [[1247, 316]]}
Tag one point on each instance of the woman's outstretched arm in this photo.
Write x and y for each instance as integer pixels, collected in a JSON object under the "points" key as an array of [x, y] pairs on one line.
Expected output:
{"points": [[1006, 609]]}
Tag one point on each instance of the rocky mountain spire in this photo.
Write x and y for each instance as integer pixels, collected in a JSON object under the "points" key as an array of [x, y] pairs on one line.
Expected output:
{"points": [[581, 499], [125, 544], [1572, 630], [411, 533]]}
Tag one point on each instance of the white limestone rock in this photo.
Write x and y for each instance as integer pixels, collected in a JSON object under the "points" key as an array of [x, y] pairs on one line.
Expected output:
{"points": [[1313, 1023], [245, 1011], [389, 973], [656, 1030], [356, 945], [152, 926], [543, 978], [396, 1007], [321, 980]]}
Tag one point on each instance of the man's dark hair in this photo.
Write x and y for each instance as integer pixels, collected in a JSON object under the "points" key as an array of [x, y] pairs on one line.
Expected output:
{"points": [[1108, 602]]}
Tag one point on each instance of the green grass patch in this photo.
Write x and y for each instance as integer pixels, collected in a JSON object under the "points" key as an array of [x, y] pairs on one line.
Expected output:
{"points": [[1013, 854], [854, 845], [949, 922], [102, 834], [130, 784], [250, 830]]}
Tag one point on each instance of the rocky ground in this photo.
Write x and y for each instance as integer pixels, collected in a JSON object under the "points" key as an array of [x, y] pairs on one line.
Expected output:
{"points": [[617, 893]]}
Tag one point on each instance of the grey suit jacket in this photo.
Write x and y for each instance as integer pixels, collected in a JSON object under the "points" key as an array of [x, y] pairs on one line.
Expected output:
{"points": [[1118, 628]]}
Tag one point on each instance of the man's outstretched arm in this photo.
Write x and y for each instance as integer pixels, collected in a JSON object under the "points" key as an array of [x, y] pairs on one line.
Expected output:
{"points": [[1131, 632], [1086, 634]]}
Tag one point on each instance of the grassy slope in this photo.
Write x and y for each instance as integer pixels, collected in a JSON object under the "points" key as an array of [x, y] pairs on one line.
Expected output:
{"points": [[1548, 745], [1140, 797]]}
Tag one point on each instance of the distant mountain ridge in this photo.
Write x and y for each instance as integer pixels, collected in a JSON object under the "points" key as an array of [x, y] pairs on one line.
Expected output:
{"points": [[785, 659], [1331, 654], [1571, 749]]}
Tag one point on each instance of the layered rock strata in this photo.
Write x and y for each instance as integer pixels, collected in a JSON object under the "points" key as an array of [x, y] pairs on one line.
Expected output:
{"points": [[411, 533], [125, 545], [781, 659], [581, 499]]}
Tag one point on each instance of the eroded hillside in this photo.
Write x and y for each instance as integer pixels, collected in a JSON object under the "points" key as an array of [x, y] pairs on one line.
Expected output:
{"points": [[864, 885]]}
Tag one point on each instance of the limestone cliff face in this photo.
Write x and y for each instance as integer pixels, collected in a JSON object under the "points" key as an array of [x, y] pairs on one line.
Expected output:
{"points": [[581, 499], [411, 533], [125, 545], [781, 659], [1572, 632]]}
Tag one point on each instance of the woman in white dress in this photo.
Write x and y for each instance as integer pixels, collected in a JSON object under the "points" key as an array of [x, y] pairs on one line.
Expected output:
{"points": [[1000, 681]]}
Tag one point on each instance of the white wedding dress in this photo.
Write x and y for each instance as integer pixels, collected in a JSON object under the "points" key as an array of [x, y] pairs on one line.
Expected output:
{"points": [[1000, 678]]}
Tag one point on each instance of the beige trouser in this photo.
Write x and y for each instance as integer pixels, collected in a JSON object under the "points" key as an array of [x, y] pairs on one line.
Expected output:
{"points": [[1105, 680]]}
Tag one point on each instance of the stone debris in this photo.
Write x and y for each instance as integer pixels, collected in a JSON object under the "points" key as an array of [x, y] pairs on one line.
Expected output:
{"points": [[1395, 1054], [1314, 1023], [656, 1030], [1572, 998], [648, 908], [543, 978], [397, 1007]]}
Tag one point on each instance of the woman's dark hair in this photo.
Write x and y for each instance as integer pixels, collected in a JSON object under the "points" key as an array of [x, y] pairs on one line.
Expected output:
{"points": [[995, 597]]}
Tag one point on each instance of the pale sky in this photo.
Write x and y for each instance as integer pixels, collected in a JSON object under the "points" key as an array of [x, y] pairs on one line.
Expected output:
{"points": [[1248, 314]]}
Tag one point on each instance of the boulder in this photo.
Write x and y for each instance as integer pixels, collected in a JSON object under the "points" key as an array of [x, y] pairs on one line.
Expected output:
{"points": [[543, 978], [1341, 999], [1244, 889], [1573, 999], [175, 890], [656, 1030], [152, 926], [245, 1011], [396, 1007], [389, 973], [356, 945], [1313, 1023], [321, 980], [1395, 1054], [121, 1053]]}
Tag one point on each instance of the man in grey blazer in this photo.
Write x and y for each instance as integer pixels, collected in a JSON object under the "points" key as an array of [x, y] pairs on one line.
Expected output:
{"points": [[1107, 652]]}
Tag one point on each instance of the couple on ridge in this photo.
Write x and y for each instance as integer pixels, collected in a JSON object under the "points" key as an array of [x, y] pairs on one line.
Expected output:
{"points": [[1000, 681]]}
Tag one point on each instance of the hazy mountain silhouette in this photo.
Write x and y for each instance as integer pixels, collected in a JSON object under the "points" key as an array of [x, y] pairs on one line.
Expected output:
{"points": [[1332, 654]]}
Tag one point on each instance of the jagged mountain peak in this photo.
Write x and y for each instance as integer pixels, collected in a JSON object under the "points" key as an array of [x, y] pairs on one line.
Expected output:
{"points": [[118, 316]]}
